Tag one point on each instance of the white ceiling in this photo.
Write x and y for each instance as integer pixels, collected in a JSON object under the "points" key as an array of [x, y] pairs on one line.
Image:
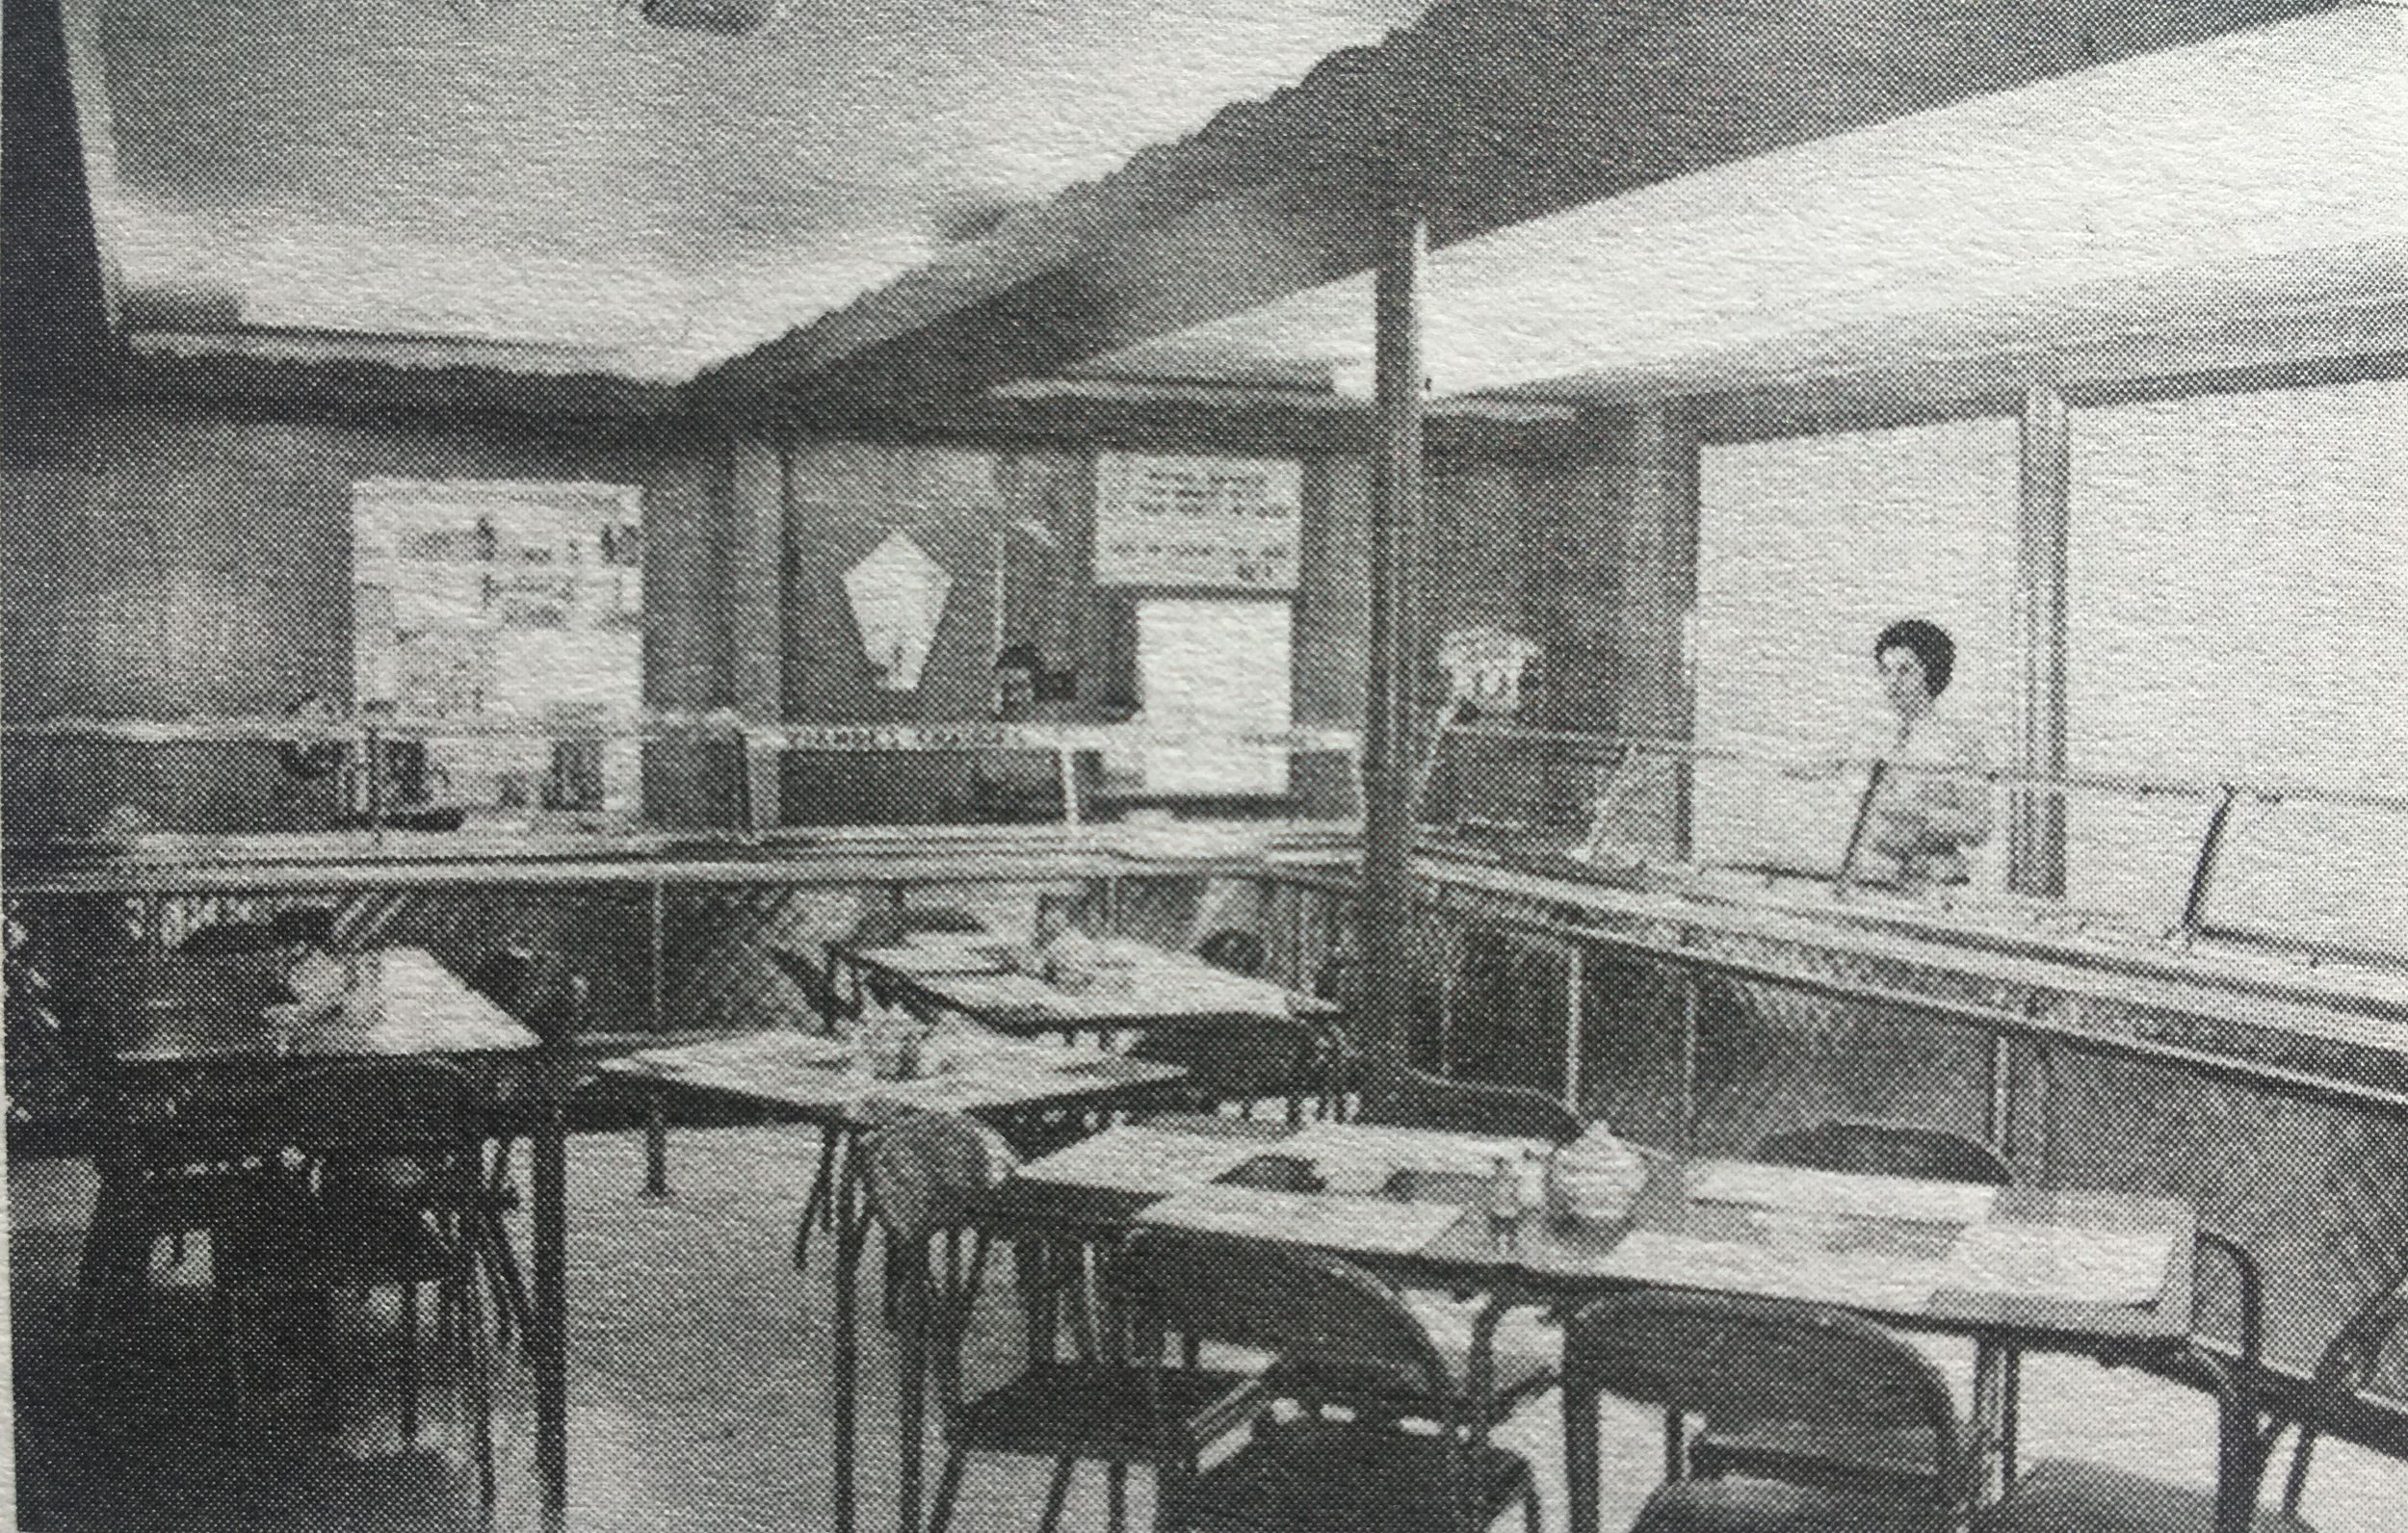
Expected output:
{"points": [[561, 172], [2260, 173]]}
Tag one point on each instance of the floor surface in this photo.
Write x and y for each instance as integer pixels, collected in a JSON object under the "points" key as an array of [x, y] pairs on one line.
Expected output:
{"points": [[699, 1359]]}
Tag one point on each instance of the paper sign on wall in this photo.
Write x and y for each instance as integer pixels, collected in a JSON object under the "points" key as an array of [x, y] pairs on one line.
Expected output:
{"points": [[1218, 523]]}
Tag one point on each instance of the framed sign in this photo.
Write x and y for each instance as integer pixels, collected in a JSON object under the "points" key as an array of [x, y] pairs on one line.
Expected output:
{"points": [[1203, 522]]}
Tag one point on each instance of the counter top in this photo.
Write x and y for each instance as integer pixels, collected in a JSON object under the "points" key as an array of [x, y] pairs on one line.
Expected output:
{"points": [[159, 864]]}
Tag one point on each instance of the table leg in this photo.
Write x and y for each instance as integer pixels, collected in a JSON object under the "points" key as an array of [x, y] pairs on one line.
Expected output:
{"points": [[913, 1383], [852, 1231], [548, 1340], [656, 1147], [1993, 1425]]}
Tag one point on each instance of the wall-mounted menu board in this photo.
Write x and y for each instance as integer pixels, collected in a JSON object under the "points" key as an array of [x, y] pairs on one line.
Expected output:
{"points": [[512, 598], [1209, 523]]}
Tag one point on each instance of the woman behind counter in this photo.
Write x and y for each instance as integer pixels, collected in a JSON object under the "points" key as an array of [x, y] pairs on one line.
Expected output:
{"points": [[1015, 786], [1920, 824]]}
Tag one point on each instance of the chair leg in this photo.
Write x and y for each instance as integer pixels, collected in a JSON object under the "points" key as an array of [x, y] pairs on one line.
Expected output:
{"points": [[1056, 1496], [948, 1487], [656, 1147], [1582, 1469], [479, 1387], [410, 1363], [819, 1207]]}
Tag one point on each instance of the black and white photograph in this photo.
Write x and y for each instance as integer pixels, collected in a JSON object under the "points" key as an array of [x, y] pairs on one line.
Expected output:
{"points": [[1223, 766]]}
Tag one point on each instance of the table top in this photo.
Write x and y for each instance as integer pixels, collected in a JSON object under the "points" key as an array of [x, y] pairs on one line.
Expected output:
{"points": [[2080, 1270], [824, 1078], [1131, 986], [392, 1002]]}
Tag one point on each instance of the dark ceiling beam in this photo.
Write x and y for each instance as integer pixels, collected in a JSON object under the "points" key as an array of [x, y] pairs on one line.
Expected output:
{"points": [[55, 335], [1493, 112], [347, 386]]}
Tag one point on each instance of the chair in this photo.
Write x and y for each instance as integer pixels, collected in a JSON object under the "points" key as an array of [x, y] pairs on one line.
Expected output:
{"points": [[1789, 1450], [1401, 1094], [1886, 1149], [2072, 1495], [816, 981], [1234, 948], [161, 1177], [1242, 1059], [924, 1178], [1342, 1340], [1754, 1362], [389, 1193]]}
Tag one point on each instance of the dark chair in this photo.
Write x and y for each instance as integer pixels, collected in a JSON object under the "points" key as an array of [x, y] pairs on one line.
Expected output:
{"points": [[1234, 948], [1244, 1059], [1789, 1450], [1390, 1093], [817, 980], [2073, 1495], [1754, 1363], [163, 1177], [924, 1178], [387, 1193], [1886, 1149], [1344, 1341]]}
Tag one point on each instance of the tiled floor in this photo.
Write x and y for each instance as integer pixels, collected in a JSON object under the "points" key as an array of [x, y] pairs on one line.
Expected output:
{"points": [[697, 1369]]}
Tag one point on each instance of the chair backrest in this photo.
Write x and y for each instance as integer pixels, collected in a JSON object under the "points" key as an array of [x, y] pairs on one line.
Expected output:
{"points": [[1239, 1056], [228, 939], [1888, 1149], [1319, 1313], [883, 928], [1740, 1361], [1231, 947], [2350, 1361], [1408, 1098], [432, 1105], [817, 984], [927, 1173]]}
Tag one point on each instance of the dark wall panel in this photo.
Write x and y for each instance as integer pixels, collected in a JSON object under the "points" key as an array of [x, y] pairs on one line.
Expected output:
{"points": [[167, 566]]}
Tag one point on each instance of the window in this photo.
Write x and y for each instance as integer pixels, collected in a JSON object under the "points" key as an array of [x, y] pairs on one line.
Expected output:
{"points": [[1807, 548], [2240, 589], [1213, 668]]}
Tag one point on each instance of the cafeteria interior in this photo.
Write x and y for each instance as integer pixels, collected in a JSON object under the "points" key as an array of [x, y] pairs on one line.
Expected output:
{"points": [[1316, 765]]}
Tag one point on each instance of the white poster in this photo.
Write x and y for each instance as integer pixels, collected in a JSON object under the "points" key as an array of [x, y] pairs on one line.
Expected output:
{"points": [[1214, 523]]}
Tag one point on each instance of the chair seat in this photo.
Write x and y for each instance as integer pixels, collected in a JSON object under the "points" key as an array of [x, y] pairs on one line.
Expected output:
{"points": [[1878, 1461], [1739, 1505], [2070, 1495], [1299, 1476], [1100, 1410]]}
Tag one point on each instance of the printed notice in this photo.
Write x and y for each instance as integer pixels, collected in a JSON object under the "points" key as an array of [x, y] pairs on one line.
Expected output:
{"points": [[1218, 523]]}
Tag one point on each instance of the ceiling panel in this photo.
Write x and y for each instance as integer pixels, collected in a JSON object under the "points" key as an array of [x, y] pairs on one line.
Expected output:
{"points": [[561, 171]]}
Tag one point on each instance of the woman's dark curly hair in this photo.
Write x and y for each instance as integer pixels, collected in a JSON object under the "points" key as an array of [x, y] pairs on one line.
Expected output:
{"points": [[1930, 643]]}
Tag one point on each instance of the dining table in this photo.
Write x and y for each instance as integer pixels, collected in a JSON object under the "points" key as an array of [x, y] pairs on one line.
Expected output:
{"points": [[2098, 1273], [1101, 986], [842, 1082]]}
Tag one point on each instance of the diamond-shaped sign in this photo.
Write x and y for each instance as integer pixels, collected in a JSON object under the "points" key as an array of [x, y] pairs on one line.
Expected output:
{"points": [[898, 594]]}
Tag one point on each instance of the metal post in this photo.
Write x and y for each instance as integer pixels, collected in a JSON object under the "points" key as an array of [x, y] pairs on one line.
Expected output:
{"points": [[1396, 512]]}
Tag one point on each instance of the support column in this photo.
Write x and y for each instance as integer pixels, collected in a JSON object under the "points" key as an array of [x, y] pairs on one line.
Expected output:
{"points": [[1388, 735], [1654, 619], [2037, 821], [756, 612]]}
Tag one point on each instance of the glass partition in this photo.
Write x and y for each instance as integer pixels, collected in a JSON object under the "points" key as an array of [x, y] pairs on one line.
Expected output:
{"points": [[105, 783], [2313, 873]]}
